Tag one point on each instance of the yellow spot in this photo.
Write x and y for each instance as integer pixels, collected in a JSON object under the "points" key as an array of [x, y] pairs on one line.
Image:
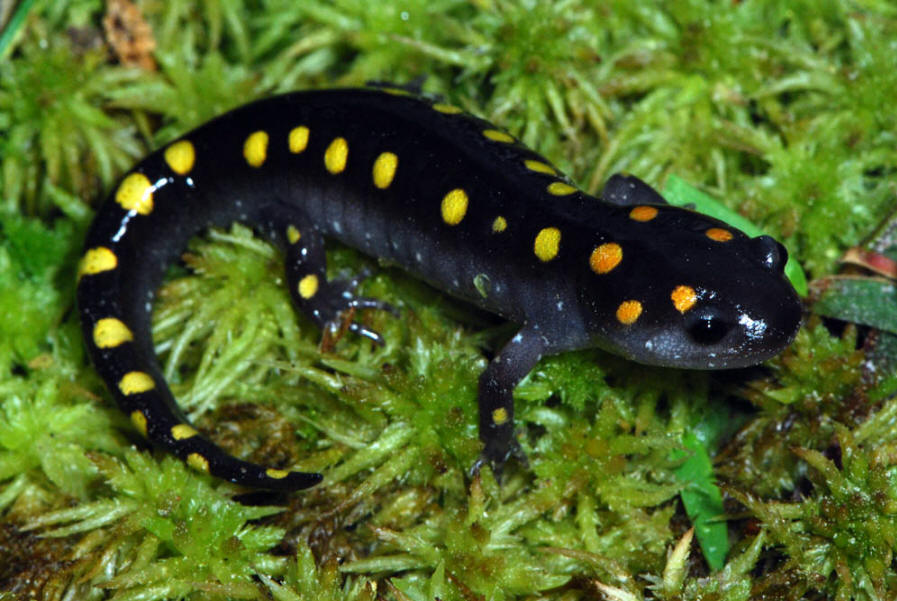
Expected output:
{"points": [[454, 206], [396, 91], [298, 139], [499, 225], [719, 234], [643, 213], [293, 234], [448, 109], [110, 332], [97, 260], [605, 257], [135, 193], [684, 298], [547, 242], [308, 286], [498, 136], [255, 148], [539, 167], [385, 169], [560, 189], [276, 474], [139, 421], [135, 382], [182, 432], [499, 416], [180, 156], [198, 462], [335, 156], [628, 312]]}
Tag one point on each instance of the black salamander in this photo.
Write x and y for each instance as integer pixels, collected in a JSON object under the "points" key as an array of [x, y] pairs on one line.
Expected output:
{"points": [[451, 199]]}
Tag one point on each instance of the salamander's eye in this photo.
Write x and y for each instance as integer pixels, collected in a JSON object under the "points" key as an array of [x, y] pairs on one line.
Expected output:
{"points": [[771, 254], [707, 328]]}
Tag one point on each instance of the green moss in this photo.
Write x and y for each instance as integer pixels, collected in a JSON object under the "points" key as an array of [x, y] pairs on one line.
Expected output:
{"points": [[819, 380], [840, 539], [781, 110], [54, 126], [173, 533], [46, 427]]}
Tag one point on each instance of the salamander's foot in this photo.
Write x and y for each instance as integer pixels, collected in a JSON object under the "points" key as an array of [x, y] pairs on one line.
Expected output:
{"points": [[497, 455], [338, 307]]}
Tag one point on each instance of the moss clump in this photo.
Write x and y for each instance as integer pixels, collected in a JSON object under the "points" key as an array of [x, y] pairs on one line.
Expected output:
{"points": [[782, 111]]}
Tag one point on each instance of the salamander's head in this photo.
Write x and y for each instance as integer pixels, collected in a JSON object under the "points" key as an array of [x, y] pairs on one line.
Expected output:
{"points": [[680, 289]]}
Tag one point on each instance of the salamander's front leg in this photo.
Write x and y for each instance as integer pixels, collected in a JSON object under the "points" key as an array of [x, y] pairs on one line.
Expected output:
{"points": [[496, 401], [331, 305]]}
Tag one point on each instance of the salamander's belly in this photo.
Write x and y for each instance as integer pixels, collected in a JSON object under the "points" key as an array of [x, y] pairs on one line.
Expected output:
{"points": [[453, 200]]}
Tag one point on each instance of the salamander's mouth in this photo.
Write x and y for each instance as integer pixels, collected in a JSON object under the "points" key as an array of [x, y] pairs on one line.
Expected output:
{"points": [[710, 340]]}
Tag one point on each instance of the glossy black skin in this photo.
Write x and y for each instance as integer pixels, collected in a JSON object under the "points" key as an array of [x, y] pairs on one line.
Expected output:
{"points": [[746, 313]]}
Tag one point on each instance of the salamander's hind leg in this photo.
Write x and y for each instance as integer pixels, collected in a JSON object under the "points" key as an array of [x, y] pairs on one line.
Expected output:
{"points": [[332, 305]]}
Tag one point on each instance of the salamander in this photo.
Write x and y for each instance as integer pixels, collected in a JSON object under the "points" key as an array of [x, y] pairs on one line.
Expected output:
{"points": [[450, 198]]}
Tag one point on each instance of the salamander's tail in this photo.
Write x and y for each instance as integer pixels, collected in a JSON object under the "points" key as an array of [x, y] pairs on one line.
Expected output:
{"points": [[149, 406], [127, 364]]}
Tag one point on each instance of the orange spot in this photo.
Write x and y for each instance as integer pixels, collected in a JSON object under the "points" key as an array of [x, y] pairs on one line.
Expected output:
{"points": [[628, 312], [605, 257], [719, 234], [684, 298], [643, 213]]}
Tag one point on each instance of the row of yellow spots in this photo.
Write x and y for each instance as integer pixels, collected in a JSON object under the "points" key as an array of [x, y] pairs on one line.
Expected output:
{"points": [[182, 432], [178, 432], [308, 285], [455, 202], [557, 188], [135, 193], [495, 135], [336, 156]]}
